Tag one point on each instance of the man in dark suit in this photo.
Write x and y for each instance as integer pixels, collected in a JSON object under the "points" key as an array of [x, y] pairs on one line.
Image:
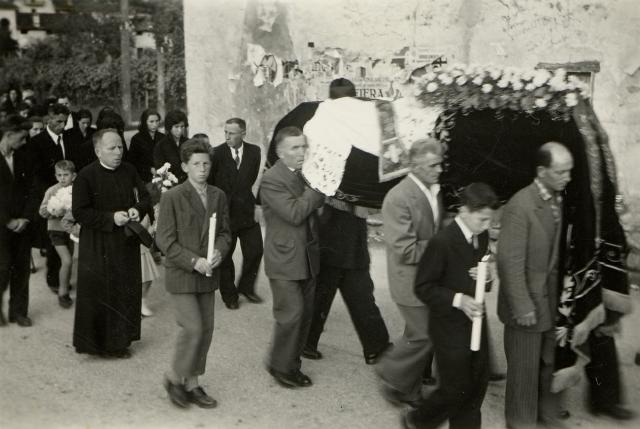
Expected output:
{"points": [[528, 295], [72, 119], [446, 283], [236, 165], [191, 279], [51, 146], [18, 209], [291, 257], [413, 213]]}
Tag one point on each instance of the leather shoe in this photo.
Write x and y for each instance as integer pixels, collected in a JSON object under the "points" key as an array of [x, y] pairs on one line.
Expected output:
{"points": [[310, 353], [199, 397], [3, 321], [637, 359], [21, 321], [232, 305], [252, 297], [616, 411], [397, 398], [65, 301], [429, 381], [177, 394], [372, 358], [302, 379], [564, 415]]}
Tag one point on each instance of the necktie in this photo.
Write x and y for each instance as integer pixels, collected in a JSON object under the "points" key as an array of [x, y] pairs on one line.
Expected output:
{"points": [[61, 146], [237, 158]]}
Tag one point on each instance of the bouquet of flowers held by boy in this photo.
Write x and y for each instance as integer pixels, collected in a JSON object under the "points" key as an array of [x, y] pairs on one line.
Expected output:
{"points": [[60, 202]]}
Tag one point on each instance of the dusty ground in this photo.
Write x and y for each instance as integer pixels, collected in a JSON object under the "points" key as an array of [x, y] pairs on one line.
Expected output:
{"points": [[45, 384]]}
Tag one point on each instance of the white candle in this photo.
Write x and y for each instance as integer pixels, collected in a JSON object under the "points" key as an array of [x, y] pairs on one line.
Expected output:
{"points": [[481, 278], [212, 239]]}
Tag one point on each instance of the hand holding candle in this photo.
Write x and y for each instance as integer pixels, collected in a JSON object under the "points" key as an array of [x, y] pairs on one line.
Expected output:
{"points": [[212, 239], [481, 276]]}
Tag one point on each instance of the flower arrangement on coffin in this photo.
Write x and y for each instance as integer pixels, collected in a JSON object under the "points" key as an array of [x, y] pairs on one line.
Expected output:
{"points": [[164, 179], [60, 202], [473, 87]]}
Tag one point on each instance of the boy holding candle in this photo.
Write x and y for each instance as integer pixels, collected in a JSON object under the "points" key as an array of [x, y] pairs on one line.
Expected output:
{"points": [[447, 282], [192, 275]]}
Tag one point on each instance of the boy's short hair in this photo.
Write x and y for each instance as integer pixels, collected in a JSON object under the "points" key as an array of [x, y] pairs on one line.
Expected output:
{"points": [[478, 196], [191, 147], [66, 165]]}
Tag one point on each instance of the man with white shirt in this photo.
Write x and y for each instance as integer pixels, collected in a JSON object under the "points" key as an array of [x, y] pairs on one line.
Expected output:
{"points": [[49, 147], [412, 212]]}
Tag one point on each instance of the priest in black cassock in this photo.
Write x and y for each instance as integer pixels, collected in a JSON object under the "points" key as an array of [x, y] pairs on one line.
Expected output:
{"points": [[107, 195]]}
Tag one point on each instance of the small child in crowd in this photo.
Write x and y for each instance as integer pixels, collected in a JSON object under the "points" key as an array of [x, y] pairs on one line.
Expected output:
{"points": [[56, 202]]}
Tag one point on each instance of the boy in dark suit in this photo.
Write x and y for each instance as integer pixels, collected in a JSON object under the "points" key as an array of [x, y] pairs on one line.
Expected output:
{"points": [[446, 283], [191, 279]]}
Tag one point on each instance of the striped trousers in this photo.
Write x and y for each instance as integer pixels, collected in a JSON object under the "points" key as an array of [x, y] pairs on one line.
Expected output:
{"points": [[528, 397]]}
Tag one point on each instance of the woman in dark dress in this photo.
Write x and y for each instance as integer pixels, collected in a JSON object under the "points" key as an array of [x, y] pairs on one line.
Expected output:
{"points": [[143, 143], [168, 149]]}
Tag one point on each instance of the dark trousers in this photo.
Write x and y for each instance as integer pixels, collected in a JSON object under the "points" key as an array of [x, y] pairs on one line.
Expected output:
{"points": [[53, 265], [464, 376], [251, 246], [356, 288], [15, 257], [603, 372], [292, 309]]}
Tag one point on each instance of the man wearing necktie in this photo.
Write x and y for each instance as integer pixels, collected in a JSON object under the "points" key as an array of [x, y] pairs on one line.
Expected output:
{"points": [[292, 255], [48, 148], [235, 169], [528, 296]]}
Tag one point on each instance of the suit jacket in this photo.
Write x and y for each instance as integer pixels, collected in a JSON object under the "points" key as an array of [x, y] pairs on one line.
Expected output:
{"points": [[141, 153], [408, 227], [18, 194], [236, 182], [183, 234], [166, 150], [443, 271], [527, 260], [291, 244], [47, 153]]}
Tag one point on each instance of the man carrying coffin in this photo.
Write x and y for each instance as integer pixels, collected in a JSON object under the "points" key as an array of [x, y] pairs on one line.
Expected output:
{"points": [[108, 195], [291, 254]]}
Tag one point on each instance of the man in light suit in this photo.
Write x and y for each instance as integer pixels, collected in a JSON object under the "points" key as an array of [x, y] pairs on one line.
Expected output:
{"points": [[412, 213], [191, 279], [291, 254], [528, 296]]}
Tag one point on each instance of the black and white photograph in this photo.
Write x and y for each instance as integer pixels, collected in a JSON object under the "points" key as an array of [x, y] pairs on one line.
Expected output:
{"points": [[229, 214]]}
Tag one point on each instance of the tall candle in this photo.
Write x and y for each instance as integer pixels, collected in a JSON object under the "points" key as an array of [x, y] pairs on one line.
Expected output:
{"points": [[212, 239], [481, 278]]}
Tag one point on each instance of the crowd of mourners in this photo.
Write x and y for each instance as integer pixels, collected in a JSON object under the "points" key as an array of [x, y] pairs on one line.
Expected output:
{"points": [[75, 190]]}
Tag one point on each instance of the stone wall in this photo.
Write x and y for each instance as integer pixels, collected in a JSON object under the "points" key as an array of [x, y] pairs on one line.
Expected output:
{"points": [[519, 33]]}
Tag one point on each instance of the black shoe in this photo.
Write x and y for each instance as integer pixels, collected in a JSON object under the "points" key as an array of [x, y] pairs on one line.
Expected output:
{"points": [[23, 321], [302, 379], [199, 397], [617, 412], [564, 415], [429, 381], [252, 297], [65, 301], [232, 305], [637, 359], [497, 376], [397, 398], [3, 321], [284, 379], [372, 358], [310, 353], [117, 354], [177, 394], [54, 289]]}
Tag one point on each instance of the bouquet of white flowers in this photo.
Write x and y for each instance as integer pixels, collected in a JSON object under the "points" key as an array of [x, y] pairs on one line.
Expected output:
{"points": [[163, 178], [60, 202]]}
